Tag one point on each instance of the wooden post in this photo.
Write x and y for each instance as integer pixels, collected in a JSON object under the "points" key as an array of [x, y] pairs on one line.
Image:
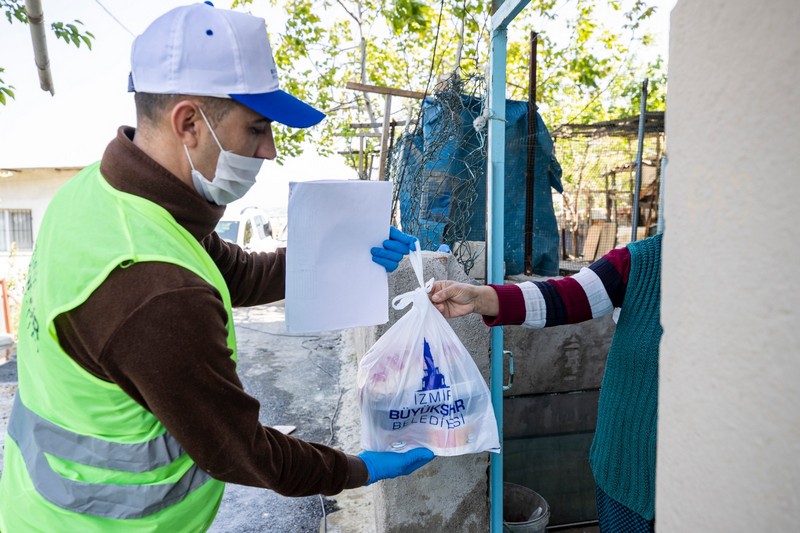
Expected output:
{"points": [[364, 88], [387, 115], [362, 161], [5, 305]]}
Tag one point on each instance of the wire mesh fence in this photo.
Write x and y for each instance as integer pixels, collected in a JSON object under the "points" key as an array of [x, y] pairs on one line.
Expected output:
{"points": [[438, 167], [569, 194], [599, 169]]}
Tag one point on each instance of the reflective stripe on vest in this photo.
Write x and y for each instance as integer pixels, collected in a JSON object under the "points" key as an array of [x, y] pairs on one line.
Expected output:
{"points": [[36, 436]]}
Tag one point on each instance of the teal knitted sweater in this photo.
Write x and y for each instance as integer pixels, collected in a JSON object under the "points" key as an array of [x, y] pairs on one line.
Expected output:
{"points": [[623, 455]]}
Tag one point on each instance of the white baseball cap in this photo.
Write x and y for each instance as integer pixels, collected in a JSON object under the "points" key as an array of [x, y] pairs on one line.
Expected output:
{"points": [[204, 51]]}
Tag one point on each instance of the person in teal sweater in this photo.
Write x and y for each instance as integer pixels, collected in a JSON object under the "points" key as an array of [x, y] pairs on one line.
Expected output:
{"points": [[623, 453]]}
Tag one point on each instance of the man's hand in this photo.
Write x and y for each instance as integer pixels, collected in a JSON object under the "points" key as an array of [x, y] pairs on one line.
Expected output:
{"points": [[393, 249], [454, 299], [387, 465]]}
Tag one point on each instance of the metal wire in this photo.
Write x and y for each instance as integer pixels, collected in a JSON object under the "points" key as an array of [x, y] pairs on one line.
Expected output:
{"points": [[419, 182], [599, 162], [438, 166]]}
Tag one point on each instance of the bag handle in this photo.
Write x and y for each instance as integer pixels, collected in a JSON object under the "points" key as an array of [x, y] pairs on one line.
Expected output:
{"points": [[401, 301]]}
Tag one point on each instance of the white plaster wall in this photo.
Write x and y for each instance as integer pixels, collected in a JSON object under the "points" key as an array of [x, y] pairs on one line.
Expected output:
{"points": [[729, 406], [29, 188]]}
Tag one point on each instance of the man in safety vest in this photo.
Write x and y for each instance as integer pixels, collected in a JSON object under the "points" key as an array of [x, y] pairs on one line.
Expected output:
{"points": [[129, 414]]}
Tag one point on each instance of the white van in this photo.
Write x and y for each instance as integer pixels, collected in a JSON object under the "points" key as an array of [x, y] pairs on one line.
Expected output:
{"points": [[250, 229]]}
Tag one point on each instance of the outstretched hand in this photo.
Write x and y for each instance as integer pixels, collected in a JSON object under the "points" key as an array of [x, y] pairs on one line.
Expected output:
{"points": [[387, 465], [454, 299]]}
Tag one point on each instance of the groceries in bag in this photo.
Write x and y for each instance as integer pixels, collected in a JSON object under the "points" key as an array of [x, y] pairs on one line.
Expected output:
{"points": [[419, 386]]}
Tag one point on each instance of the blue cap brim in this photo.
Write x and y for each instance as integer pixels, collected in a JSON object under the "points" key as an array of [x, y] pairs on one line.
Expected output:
{"points": [[281, 107]]}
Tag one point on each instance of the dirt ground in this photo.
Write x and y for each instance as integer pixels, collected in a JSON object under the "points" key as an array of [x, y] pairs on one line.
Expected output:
{"points": [[307, 381]]}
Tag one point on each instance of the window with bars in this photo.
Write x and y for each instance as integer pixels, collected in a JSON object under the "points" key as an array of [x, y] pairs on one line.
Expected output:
{"points": [[16, 229]]}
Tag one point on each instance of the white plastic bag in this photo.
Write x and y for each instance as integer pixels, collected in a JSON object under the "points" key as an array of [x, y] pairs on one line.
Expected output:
{"points": [[419, 387]]}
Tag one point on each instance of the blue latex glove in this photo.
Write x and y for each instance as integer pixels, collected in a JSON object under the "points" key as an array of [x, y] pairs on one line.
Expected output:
{"points": [[393, 249], [386, 465]]}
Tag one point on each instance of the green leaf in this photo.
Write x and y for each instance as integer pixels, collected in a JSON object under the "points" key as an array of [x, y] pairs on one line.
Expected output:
{"points": [[6, 91], [586, 77]]}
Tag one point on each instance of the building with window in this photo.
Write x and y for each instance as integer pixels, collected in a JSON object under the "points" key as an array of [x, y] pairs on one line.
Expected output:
{"points": [[24, 195]]}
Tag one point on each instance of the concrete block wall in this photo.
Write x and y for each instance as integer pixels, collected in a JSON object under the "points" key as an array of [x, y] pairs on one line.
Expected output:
{"points": [[550, 411], [558, 359]]}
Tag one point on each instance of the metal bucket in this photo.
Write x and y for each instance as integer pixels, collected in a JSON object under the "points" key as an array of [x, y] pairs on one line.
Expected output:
{"points": [[524, 510]]}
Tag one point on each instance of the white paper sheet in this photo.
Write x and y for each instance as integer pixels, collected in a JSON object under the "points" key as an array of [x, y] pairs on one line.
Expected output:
{"points": [[331, 281]]}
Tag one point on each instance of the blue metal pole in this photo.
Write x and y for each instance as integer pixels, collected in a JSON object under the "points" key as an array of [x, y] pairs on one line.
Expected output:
{"points": [[495, 192], [495, 271]]}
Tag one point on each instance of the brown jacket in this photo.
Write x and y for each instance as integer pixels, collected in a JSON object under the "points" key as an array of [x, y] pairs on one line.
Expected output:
{"points": [[159, 332]]}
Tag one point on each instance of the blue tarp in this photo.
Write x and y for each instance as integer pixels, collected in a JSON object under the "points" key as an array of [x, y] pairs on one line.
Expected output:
{"points": [[441, 161]]}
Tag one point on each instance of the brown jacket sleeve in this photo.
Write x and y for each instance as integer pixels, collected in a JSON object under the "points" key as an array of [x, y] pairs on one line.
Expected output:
{"points": [[158, 331], [252, 278]]}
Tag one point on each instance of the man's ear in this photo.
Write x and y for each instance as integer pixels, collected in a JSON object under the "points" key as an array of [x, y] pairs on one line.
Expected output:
{"points": [[183, 122]]}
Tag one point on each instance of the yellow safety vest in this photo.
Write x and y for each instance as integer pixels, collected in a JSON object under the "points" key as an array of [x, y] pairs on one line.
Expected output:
{"points": [[81, 455]]}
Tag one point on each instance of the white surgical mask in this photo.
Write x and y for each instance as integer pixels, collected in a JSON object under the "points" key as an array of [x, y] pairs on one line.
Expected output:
{"points": [[235, 174]]}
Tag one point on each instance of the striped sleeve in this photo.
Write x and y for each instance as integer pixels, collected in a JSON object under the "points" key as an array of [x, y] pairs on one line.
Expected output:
{"points": [[613, 269], [512, 306], [591, 293]]}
